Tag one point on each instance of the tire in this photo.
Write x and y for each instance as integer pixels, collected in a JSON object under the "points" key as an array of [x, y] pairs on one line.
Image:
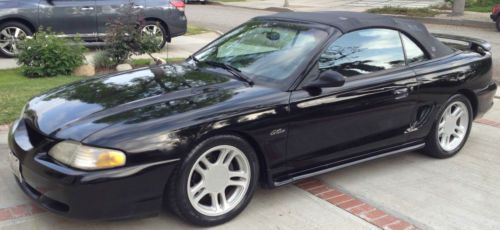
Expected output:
{"points": [[450, 124], [162, 29], [498, 23], [193, 206], [12, 26]]}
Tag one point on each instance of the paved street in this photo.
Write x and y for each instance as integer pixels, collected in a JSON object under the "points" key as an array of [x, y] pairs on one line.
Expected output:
{"points": [[457, 193]]}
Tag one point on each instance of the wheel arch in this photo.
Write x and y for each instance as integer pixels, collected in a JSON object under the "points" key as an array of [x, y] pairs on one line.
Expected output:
{"points": [[22, 20], [471, 96], [162, 23], [264, 176]]}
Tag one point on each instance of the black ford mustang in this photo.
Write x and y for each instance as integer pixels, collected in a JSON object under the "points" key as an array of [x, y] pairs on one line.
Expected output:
{"points": [[278, 99]]}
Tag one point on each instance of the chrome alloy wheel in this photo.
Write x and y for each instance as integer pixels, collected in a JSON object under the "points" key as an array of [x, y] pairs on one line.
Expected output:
{"points": [[219, 180], [155, 31], [9, 37], [453, 126]]}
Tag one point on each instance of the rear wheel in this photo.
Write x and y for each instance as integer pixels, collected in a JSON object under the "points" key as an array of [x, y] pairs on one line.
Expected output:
{"points": [[451, 130], [215, 182], [156, 30], [10, 35]]}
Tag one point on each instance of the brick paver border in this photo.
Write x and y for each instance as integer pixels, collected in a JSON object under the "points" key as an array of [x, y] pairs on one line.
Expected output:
{"points": [[354, 206], [488, 122], [22, 210], [4, 127]]}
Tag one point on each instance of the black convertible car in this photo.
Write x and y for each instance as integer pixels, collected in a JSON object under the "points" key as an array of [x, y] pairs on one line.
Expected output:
{"points": [[278, 99]]}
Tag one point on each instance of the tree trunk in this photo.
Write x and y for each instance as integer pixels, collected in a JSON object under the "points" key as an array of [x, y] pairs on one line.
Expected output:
{"points": [[458, 7]]}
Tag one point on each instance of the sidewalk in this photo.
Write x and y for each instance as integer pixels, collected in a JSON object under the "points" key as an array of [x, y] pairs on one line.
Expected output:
{"points": [[473, 19]]}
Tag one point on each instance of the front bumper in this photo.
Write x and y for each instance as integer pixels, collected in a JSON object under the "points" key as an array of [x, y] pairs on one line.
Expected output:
{"points": [[131, 191]]}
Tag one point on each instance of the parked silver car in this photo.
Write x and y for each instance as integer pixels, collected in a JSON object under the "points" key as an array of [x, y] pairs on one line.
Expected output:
{"points": [[87, 18]]}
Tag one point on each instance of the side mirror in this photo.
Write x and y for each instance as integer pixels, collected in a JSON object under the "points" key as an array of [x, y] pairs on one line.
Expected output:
{"points": [[326, 79]]}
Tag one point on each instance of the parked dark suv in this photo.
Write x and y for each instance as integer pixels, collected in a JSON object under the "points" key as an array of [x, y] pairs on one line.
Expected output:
{"points": [[87, 18]]}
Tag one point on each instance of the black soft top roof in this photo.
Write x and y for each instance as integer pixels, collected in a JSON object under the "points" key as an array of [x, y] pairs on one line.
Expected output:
{"points": [[351, 21]]}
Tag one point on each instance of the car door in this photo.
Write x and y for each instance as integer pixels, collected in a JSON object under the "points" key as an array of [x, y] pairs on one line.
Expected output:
{"points": [[371, 111], [70, 17], [109, 10]]}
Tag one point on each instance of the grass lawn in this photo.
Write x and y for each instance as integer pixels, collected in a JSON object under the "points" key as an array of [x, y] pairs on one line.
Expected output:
{"points": [[193, 30], [16, 90], [414, 12], [480, 5]]}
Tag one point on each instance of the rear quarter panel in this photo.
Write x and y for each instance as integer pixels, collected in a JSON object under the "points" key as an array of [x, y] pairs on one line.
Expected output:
{"points": [[463, 72]]}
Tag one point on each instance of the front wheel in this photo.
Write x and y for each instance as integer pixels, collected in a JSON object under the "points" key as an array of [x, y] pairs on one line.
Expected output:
{"points": [[451, 130], [215, 182], [10, 35]]}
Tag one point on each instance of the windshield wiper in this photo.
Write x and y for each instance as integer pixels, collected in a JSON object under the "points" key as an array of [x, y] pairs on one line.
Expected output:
{"points": [[231, 69]]}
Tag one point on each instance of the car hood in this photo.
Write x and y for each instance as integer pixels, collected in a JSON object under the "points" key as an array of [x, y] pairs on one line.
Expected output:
{"points": [[77, 110]]}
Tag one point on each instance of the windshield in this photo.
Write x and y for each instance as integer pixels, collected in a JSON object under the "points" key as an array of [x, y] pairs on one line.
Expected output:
{"points": [[269, 52]]}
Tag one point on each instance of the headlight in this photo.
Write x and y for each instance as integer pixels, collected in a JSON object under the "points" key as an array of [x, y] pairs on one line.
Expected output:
{"points": [[85, 157]]}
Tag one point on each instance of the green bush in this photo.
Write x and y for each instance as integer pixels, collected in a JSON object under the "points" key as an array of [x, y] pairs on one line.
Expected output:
{"points": [[413, 12], [102, 60], [480, 5], [46, 55]]}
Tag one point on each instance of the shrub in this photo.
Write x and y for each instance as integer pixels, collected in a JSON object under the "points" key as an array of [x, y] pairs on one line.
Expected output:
{"points": [[102, 60], [124, 37], [48, 55]]}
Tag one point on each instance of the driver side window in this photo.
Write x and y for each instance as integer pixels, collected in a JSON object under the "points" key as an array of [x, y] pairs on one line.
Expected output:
{"points": [[363, 52]]}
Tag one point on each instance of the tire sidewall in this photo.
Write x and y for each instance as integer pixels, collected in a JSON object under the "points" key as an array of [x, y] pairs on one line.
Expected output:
{"points": [[434, 136], [185, 206], [21, 26]]}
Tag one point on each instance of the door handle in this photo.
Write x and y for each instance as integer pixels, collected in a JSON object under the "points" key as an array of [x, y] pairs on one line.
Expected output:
{"points": [[87, 8], [137, 7], [401, 93]]}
